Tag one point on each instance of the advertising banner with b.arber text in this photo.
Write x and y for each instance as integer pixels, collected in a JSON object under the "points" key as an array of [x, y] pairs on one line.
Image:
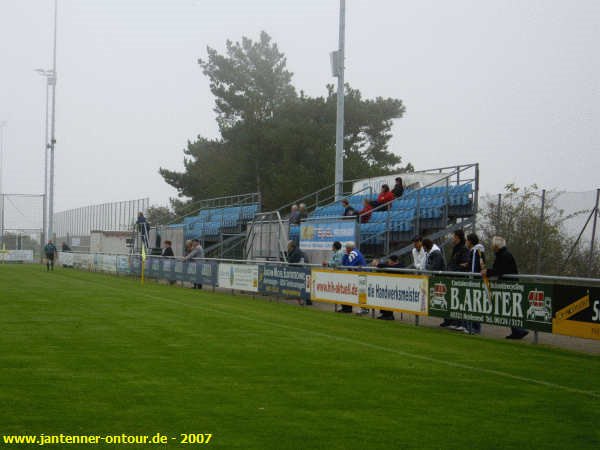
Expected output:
{"points": [[503, 302]]}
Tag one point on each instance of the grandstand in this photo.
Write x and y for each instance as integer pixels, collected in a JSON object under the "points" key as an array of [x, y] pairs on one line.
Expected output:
{"points": [[220, 224], [435, 202]]}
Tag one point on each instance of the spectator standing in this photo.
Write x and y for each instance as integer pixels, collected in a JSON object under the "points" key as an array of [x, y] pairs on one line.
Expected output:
{"points": [[294, 254], [418, 253], [385, 196], [168, 253], [196, 252], [398, 188], [504, 264], [365, 213], [65, 247], [475, 264], [460, 253], [435, 258], [302, 212], [50, 252], [393, 262], [458, 263], [337, 256], [168, 250], [294, 215], [143, 228], [435, 261], [352, 258]]}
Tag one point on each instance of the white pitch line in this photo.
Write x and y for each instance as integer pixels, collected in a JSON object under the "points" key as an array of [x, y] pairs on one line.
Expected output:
{"points": [[372, 346]]}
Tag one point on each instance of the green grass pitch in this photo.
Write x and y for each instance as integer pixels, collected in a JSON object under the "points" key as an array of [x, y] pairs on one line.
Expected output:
{"points": [[85, 354]]}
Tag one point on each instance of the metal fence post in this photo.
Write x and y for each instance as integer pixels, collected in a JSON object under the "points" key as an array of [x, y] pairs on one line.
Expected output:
{"points": [[499, 214], [591, 260], [538, 265]]}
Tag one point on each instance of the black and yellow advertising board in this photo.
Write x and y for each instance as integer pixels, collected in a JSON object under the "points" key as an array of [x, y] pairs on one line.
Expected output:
{"points": [[576, 311]]}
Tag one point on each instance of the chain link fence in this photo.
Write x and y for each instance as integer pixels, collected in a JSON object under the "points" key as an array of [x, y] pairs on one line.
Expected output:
{"points": [[21, 222], [549, 232]]}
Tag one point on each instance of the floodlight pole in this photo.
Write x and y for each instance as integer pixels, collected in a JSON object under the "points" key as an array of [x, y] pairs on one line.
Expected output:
{"points": [[2, 126], [339, 127], [52, 128]]}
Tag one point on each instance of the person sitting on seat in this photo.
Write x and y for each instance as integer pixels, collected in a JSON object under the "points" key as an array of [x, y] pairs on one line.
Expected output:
{"points": [[365, 213], [349, 211], [385, 196], [398, 188]]}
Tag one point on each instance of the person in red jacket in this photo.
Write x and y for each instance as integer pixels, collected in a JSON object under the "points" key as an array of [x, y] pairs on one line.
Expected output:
{"points": [[365, 213], [385, 196]]}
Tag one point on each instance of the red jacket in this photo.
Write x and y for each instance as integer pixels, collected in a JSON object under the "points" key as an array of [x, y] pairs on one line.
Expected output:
{"points": [[385, 197], [367, 209]]}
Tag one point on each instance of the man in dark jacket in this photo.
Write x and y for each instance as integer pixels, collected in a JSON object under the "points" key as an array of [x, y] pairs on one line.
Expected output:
{"points": [[398, 188], [460, 253], [504, 264], [294, 254], [435, 259], [168, 253]]}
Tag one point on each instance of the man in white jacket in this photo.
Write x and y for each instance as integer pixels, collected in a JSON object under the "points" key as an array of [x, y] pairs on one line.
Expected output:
{"points": [[418, 253]]}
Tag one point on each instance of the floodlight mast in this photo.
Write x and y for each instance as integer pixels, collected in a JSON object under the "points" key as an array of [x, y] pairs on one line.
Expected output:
{"points": [[338, 71], [52, 129], [46, 74], [2, 126]]}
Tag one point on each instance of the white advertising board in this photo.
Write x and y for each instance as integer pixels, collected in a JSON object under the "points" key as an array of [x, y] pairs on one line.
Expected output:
{"points": [[16, 256], [243, 277], [65, 259], [403, 293]]}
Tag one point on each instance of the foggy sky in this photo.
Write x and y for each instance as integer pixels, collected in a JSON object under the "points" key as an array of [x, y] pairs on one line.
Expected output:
{"points": [[513, 85]]}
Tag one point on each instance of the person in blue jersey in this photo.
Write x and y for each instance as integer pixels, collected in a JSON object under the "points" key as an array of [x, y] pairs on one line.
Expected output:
{"points": [[352, 258]]}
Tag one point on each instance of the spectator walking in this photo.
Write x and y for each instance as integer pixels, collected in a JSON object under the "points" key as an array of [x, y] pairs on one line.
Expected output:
{"points": [[504, 264], [398, 188], [50, 252], [418, 253]]}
